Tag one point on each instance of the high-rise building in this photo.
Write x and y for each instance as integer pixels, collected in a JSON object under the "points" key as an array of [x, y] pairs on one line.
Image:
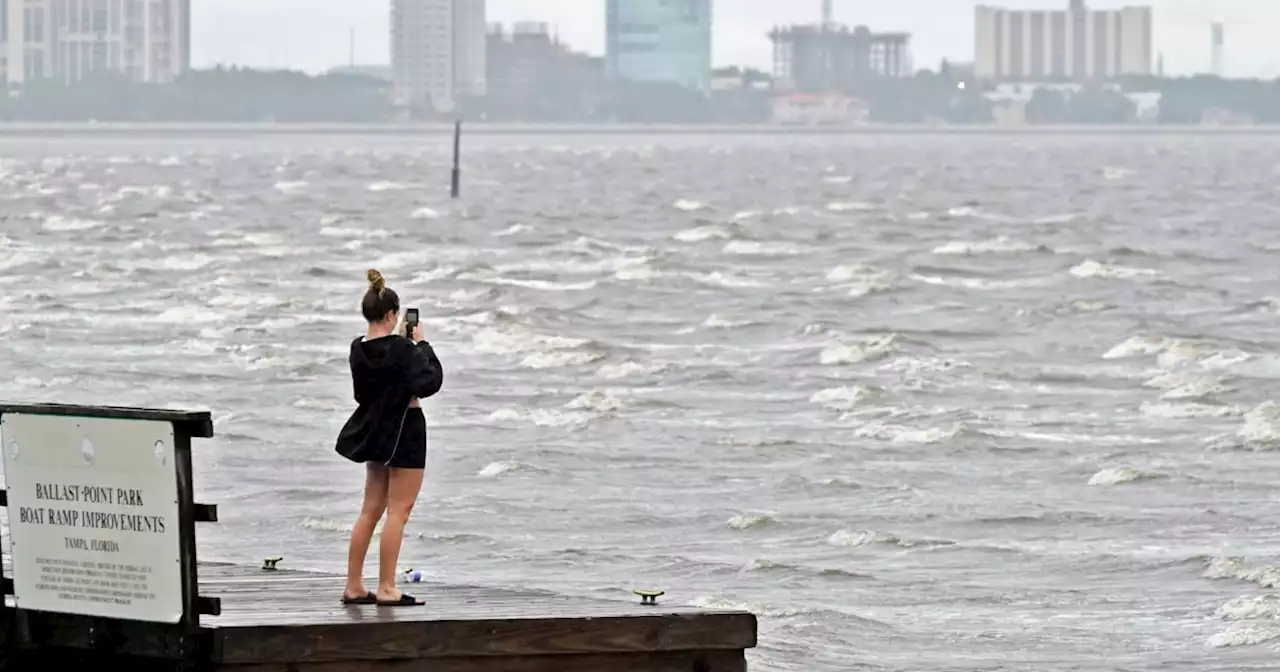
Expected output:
{"points": [[659, 41], [438, 51], [831, 57], [534, 76], [69, 40], [1075, 43]]}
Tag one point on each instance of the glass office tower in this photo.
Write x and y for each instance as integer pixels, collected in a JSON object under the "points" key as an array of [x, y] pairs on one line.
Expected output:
{"points": [[660, 41]]}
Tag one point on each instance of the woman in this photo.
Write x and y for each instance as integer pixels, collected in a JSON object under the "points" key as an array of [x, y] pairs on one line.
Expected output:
{"points": [[388, 434]]}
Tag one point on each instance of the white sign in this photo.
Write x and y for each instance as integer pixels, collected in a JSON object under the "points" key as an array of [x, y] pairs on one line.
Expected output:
{"points": [[93, 516]]}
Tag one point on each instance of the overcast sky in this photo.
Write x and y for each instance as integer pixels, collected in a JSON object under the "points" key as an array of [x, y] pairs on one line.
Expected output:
{"points": [[313, 35]]}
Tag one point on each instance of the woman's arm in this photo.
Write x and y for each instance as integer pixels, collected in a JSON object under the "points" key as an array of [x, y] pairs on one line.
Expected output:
{"points": [[425, 373]]}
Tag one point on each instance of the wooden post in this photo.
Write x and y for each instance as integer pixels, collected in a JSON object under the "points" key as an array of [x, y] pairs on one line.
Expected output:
{"points": [[7, 640], [190, 648], [6, 585], [455, 189]]}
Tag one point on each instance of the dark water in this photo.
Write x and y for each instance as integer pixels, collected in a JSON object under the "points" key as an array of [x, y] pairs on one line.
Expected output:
{"points": [[922, 403]]}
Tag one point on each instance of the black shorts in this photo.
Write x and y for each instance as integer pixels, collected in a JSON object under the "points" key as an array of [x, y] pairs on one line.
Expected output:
{"points": [[411, 453]]}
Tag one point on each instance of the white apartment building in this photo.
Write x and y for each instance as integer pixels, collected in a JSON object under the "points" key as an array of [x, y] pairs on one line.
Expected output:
{"points": [[438, 51], [1074, 43], [68, 40]]}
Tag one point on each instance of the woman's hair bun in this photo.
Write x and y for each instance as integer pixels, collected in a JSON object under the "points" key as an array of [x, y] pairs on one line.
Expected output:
{"points": [[377, 283]]}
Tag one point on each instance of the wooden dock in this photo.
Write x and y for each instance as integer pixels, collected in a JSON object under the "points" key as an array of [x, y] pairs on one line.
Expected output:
{"points": [[257, 619], [273, 621]]}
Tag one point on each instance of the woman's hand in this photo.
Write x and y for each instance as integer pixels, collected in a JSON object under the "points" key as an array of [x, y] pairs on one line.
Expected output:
{"points": [[418, 336]]}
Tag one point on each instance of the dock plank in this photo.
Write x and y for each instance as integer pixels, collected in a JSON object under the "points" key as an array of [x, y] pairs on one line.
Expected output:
{"points": [[667, 661], [476, 639]]}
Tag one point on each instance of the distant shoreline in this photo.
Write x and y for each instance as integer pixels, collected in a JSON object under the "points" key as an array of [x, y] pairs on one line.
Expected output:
{"points": [[10, 131]]}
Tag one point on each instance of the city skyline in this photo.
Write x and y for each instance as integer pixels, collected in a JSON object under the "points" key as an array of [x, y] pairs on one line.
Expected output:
{"points": [[314, 35]]}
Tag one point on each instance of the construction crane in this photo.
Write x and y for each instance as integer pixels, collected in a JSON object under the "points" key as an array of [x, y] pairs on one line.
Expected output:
{"points": [[828, 27], [828, 30]]}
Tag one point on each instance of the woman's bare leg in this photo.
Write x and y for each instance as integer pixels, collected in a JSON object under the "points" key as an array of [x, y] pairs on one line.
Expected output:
{"points": [[376, 481], [402, 493]]}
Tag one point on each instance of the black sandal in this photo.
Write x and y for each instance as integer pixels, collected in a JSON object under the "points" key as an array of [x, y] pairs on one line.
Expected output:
{"points": [[367, 598], [406, 600]]}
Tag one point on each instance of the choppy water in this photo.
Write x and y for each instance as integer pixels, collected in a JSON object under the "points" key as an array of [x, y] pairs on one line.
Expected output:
{"points": [[923, 403]]}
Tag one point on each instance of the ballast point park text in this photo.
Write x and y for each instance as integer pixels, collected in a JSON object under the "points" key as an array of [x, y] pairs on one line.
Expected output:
{"points": [[63, 514]]}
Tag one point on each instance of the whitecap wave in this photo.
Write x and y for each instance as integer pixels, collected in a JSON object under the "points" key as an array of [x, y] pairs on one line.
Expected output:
{"points": [[701, 233], [714, 602], [597, 401], [630, 369], [899, 434], [1137, 346], [1261, 428], [1187, 410], [515, 230], [748, 521], [500, 468], [861, 280], [753, 248], [854, 353], [560, 359], [1121, 475], [291, 187], [998, 245], [856, 538], [845, 398], [1096, 269], [64, 223], [542, 417], [1241, 569], [849, 206], [1265, 606], [1244, 634]]}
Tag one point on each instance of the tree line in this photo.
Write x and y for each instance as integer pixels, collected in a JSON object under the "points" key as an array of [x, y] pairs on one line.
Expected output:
{"points": [[235, 95]]}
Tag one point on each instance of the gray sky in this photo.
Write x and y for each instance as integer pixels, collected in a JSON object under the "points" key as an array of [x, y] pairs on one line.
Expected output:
{"points": [[313, 35]]}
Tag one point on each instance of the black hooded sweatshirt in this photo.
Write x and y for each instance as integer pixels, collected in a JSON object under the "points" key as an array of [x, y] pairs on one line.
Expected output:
{"points": [[386, 374]]}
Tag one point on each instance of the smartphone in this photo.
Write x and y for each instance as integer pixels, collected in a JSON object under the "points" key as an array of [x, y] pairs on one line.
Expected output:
{"points": [[410, 321]]}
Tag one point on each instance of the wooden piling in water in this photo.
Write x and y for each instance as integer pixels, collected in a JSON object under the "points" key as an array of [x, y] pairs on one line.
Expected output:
{"points": [[257, 619], [455, 189]]}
